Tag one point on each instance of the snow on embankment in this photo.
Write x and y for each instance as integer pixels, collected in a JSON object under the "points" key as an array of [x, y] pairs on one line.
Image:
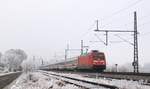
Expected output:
{"points": [[36, 80], [122, 84]]}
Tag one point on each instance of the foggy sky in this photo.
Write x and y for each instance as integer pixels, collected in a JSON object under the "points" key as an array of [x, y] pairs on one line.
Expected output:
{"points": [[44, 27]]}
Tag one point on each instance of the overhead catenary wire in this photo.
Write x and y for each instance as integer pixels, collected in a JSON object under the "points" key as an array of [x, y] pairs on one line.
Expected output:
{"points": [[124, 39], [100, 39], [119, 11], [145, 34], [129, 6], [88, 31], [140, 25], [144, 24], [115, 13], [139, 19]]}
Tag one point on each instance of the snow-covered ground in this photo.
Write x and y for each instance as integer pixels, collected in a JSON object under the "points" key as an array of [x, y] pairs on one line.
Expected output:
{"points": [[122, 84], [3, 73], [36, 80]]}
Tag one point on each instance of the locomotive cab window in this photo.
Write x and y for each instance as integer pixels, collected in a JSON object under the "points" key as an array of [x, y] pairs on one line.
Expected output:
{"points": [[99, 56]]}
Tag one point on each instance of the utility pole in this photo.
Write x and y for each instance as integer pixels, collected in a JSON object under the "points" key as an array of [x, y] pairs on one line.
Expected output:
{"points": [[81, 47], [42, 61], [135, 43], [135, 61], [66, 52], [116, 65], [106, 40], [70, 49]]}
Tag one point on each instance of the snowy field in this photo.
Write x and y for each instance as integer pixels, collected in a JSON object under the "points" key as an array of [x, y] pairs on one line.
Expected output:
{"points": [[37, 80]]}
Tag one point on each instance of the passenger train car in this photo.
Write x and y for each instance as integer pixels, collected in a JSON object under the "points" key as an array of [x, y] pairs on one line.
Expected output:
{"points": [[92, 61]]}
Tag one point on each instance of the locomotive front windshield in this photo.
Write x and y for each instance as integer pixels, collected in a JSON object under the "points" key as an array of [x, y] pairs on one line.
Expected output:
{"points": [[99, 56]]}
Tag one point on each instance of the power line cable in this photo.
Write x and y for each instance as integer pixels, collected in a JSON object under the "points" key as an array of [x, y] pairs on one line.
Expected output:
{"points": [[115, 13], [129, 6], [124, 39], [145, 34], [88, 30], [144, 24], [144, 17], [119, 11], [100, 39]]}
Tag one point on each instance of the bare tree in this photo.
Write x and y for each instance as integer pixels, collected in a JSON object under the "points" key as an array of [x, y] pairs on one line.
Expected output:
{"points": [[13, 58], [31, 64], [28, 65]]}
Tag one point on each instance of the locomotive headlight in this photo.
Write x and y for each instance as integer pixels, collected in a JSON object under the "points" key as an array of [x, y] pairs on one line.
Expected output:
{"points": [[98, 62], [95, 61]]}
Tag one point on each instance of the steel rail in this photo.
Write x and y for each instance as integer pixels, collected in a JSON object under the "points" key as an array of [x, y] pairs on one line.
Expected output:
{"points": [[84, 81]]}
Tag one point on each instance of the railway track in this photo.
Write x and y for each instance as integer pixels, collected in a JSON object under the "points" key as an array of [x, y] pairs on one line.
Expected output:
{"points": [[6, 79], [115, 75], [123, 75], [144, 77], [80, 83]]}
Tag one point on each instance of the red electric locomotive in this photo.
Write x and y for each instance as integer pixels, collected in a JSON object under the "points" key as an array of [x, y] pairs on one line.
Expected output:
{"points": [[92, 61]]}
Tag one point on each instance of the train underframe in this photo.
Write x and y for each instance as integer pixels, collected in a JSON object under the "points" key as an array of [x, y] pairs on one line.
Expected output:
{"points": [[95, 68]]}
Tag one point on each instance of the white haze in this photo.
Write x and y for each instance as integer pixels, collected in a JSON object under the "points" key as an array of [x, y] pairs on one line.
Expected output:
{"points": [[43, 28]]}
